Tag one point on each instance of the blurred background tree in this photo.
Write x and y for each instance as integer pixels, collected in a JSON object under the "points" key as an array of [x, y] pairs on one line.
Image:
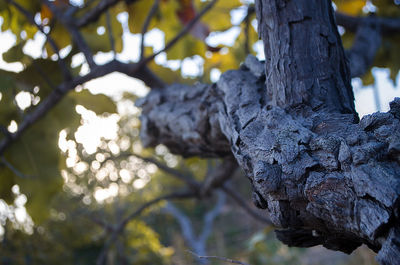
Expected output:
{"points": [[76, 185]]}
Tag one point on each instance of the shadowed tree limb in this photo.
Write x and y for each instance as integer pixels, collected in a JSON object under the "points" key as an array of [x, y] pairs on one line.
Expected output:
{"points": [[243, 204], [190, 182], [7, 164], [146, 24], [210, 183], [365, 46], [94, 14], [110, 33], [388, 26]]}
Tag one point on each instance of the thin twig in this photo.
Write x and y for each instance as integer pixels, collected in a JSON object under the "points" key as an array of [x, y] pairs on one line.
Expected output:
{"points": [[93, 14], [43, 75], [178, 36], [242, 203], [62, 64], [106, 226], [110, 33], [5, 131], [219, 258], [77, 37], [219, 175], [193, 184], [12, 168], [146, 24]]}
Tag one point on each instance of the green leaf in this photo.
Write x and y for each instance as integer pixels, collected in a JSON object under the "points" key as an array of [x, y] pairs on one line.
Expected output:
{"points": [[14, 54], [219, 18], [138, 11], [8, 89], [186, 47], [98, 103]]}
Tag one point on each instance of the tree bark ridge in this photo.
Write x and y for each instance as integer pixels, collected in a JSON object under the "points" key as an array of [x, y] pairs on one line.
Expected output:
{"points": [[304, 56]]}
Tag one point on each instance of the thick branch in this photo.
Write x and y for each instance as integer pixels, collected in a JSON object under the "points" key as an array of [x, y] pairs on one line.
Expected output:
{"points": [[388, 26], [331, 181], [305, 61], [364, 49]]}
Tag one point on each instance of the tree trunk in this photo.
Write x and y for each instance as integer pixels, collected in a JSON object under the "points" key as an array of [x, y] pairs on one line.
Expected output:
{"points": [[324, 178]]}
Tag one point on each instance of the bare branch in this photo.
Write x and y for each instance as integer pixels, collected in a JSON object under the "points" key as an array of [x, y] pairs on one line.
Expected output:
{"points": [[110, 33], [181, 34], [388, 26], [105, 225], [185, 225], [219, 175], [12, 168], [197, 243], [210, 216], [77, 37], [219, 258], [242, 203], [146, 24], [193, 184], [365, 46], [63, 66], [45, 77], [93, 14]]}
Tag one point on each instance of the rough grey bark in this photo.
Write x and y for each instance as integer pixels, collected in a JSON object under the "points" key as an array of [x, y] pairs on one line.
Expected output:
{"points": [[324, 178]]}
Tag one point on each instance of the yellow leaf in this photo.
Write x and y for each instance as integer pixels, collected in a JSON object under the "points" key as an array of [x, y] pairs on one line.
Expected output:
{"points": [[351, 7]]}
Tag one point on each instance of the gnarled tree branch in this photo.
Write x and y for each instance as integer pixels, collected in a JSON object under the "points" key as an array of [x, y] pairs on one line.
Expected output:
{"points": [[332, 181], [324, 178]]}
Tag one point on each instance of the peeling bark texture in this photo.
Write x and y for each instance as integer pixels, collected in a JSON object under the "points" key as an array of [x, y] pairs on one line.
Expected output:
{"points": [[324, 177]]}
